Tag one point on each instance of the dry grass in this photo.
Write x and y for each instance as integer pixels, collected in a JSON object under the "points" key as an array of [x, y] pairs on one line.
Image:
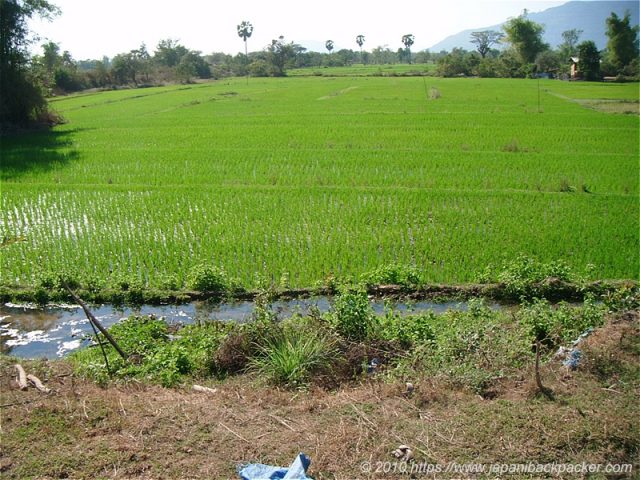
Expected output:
{"points": [[144, 432], [628, 107]]}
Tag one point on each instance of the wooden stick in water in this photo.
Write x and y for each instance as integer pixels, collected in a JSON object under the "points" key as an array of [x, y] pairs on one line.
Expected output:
{"points": [[98, 325]]}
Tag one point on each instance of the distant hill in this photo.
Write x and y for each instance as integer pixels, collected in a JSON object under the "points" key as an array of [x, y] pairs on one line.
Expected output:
{"points": [[587, 16]]}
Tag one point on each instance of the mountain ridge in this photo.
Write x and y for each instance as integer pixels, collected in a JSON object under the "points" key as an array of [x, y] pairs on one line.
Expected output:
{"points": [[587, 16]]}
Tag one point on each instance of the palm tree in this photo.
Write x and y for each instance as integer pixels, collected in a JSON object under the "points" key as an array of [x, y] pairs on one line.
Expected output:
{"points": [[329, 45], [245, 29], [360, 42], [408, 40]]}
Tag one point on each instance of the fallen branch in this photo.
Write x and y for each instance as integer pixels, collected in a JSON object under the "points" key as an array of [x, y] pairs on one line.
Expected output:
{"points": [[38, 384], [22, 377], [201, 389]]}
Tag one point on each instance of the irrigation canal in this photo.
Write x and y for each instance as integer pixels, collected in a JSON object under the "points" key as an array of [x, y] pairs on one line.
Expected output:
{"points": [[29, 331]]}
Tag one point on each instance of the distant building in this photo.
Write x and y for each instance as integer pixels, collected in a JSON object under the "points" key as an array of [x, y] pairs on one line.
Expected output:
{"points": [[574, 68]]}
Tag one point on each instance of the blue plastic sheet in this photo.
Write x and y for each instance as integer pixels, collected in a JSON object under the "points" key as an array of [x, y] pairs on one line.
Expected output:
{"points": [[258, 471], [573, 356], [573, 359]]}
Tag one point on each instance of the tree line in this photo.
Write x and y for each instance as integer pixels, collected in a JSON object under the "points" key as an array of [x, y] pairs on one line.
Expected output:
{"points": [[526, 54], [27, 80], [173, 62]]}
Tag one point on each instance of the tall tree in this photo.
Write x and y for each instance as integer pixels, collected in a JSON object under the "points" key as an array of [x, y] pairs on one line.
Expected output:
{"points": [[485, 40], [589, 63], [569, 42], [168, 52], [360, 42], [279, 54], [329, 45], [526, 37], [21, 100], [408, 40], [124, 68], [623, 40], [245, 29], [50, 56]]}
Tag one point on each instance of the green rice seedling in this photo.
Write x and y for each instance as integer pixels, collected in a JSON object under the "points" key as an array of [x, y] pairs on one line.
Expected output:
{"points": [[151, 184]]}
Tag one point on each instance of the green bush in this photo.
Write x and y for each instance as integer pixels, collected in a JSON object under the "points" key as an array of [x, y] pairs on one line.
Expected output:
{"points": [[623, 298], [556, 325], [153, 354], [527, 277], [352, 315], [471, 349], [393, 274], [209, 279], [408, 330]]}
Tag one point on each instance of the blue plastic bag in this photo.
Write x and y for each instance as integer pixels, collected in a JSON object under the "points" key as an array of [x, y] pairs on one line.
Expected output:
{"points": [[258, 471]]}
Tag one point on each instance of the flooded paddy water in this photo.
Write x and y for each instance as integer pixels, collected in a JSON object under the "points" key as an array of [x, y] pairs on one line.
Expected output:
{"points": [[30, 331]]}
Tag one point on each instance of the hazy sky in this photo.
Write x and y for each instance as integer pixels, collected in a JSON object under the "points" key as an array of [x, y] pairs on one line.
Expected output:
{"points": [[91, 29]]}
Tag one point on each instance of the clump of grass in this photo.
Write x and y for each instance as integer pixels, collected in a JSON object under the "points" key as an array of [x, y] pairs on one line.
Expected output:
{"points": [[512, 146], [566, 187], [293, 356]]}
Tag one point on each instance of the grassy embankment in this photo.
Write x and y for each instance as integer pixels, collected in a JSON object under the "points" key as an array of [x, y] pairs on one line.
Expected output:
{"points": [[474, 397]]}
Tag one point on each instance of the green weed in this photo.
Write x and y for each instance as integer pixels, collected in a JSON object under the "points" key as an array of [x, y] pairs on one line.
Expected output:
{"points": [[352, 315], [291, 357]]}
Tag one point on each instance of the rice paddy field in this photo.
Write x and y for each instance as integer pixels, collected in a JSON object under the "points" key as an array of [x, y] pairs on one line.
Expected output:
{"points": [[299, 178], [398, 69]]}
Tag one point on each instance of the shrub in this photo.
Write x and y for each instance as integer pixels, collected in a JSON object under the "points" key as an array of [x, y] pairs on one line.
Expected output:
{"points": [[394, 274], [409, 331], [209, 279], [471, 349], [352, 315], [623, 298], [525, 276], [555, 326], [55, 281], [154, 354]]}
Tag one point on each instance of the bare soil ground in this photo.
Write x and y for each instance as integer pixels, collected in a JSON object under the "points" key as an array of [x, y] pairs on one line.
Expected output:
{"points": [[136, 431]]}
